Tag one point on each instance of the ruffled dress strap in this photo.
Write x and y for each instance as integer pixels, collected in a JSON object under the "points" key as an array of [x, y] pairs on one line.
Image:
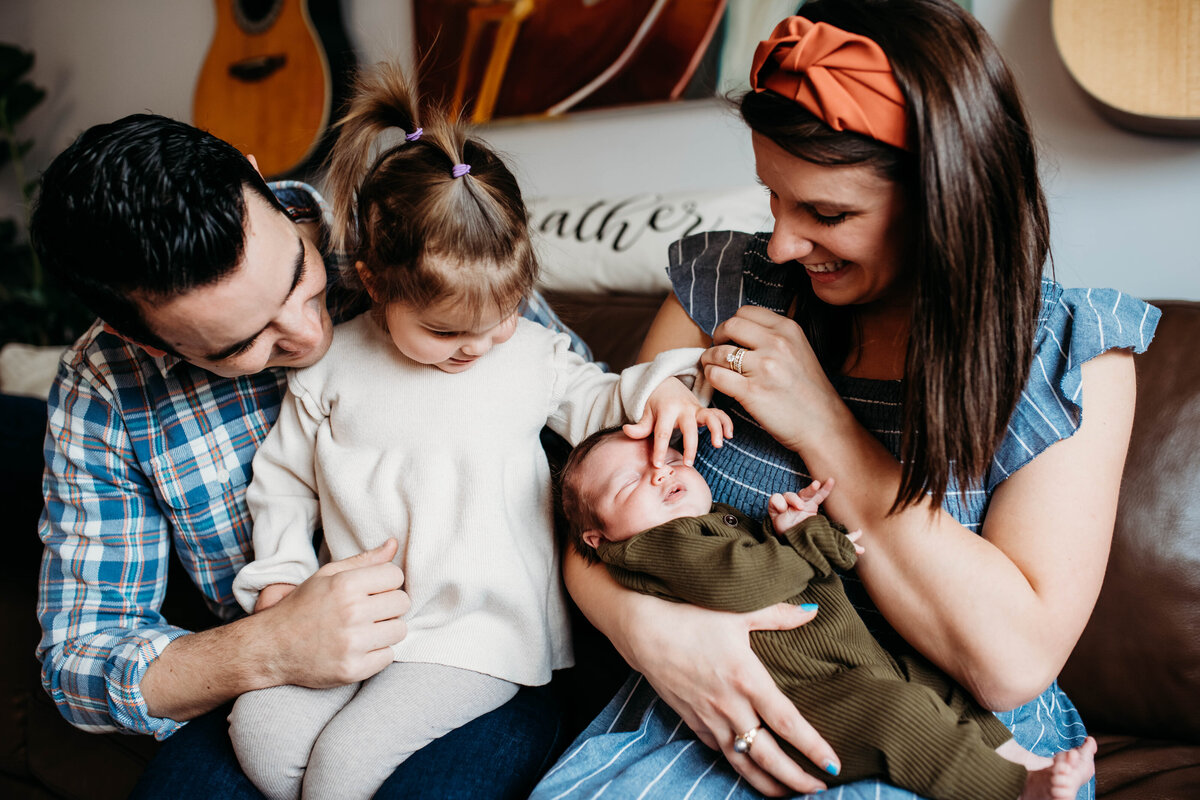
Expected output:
{"points": [[716, 273], [1076, 325]]}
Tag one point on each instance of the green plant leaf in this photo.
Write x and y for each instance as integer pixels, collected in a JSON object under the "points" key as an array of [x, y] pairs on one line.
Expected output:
{"points": [[20, 100], [14, 63], [31, 310]]}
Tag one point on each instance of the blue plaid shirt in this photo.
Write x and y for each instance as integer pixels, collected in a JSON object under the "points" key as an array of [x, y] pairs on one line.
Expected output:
{"points": [[144, 453]]}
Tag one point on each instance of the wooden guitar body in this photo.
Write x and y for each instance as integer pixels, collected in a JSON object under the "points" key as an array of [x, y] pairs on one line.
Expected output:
{"points": [[266, 86], [1137, 60]]}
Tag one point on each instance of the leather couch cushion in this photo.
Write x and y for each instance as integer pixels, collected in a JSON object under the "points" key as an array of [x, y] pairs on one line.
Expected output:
{"points": [[613, 325], [1128, 768], [1136, 670]]}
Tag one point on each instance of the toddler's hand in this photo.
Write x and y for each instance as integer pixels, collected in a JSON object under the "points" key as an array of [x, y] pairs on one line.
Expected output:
{"points": [[790, 509], [270, 595], [672, 405]]}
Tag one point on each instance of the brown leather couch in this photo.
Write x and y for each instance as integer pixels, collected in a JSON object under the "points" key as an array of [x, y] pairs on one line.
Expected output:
{"points": [[1135, 674]]}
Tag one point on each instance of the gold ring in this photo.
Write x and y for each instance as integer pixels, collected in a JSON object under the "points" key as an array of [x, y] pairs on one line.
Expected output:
{"points": [[734, 360], [744, 741]]}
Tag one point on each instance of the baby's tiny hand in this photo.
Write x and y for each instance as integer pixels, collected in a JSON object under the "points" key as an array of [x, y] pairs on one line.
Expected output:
{"points": [[790, 509], [854, 536]]}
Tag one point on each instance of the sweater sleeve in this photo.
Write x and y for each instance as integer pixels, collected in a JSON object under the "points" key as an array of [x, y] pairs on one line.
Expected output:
{"points": [[706, 563], [585, 399], [282, 498]]}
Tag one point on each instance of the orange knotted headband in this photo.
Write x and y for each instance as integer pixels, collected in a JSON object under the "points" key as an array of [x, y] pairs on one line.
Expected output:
{"points": [[843, 78]]}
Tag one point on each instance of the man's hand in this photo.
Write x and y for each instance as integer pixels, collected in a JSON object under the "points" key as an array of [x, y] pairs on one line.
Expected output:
{"points": [[672, 405], [339, 625], [790, 509]]}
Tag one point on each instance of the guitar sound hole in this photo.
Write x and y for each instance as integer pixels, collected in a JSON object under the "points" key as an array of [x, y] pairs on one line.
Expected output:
{"points": [[255, 16], [258, 68]]}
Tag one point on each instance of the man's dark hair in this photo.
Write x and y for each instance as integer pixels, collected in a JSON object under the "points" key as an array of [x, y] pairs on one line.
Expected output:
{"points": [[145, 204]]}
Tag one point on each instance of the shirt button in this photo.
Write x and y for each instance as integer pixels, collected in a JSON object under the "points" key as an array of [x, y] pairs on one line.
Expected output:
{"points": [[730, 519], [222, 476]]}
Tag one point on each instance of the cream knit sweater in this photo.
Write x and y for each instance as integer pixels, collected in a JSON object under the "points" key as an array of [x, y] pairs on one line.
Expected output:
{"points": [[371, 445]]}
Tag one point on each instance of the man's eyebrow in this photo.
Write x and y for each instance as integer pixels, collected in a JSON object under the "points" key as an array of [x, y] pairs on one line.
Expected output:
{"points": [[245, 344]]}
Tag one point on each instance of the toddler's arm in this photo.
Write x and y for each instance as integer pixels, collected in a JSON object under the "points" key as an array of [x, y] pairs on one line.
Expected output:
{"points": [[282, 497], [586, 399], [270, 595]]}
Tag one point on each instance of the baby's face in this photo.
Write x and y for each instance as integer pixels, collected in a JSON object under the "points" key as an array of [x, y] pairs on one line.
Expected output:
{"points": [[629, 494]]}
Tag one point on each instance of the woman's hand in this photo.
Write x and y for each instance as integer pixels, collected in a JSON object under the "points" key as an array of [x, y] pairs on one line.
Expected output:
{"points": [[780, 381], [700, 662], [672, 405]]}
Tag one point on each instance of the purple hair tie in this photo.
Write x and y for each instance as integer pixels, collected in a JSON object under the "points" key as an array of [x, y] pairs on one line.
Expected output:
{"points": [[461, 169], [412, 137]]}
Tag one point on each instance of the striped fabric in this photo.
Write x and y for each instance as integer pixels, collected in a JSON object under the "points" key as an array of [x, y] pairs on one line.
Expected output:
{"points": [[881, 714], [144, 454], [638, 747]]}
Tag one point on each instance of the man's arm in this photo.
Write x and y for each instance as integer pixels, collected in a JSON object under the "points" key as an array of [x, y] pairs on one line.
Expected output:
{"points": [[336, 628], [104, 567]]}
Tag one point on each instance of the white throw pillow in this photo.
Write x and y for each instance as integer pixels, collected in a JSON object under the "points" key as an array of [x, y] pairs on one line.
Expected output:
{"points": [[28, 370], [618, 243]]}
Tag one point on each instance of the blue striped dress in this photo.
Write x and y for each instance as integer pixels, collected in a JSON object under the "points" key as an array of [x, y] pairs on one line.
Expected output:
{"points": [[638, 747]]}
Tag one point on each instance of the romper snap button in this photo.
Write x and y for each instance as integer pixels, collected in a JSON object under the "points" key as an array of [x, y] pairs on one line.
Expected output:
{"points": [[730, 519]]}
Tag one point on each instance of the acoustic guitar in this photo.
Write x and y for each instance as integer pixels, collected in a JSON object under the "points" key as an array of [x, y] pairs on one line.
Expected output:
{"points": [[271, 79], [1137, 60]]}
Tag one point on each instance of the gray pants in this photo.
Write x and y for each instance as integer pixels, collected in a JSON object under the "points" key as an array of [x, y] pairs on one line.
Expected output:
{"points": [[346, 741]]}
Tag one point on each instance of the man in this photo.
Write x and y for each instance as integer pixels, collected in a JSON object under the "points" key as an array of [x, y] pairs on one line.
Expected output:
{"points": [[209, 282]]}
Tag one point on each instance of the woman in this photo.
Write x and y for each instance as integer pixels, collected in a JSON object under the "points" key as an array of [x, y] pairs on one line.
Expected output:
{"points": [[893, 331]]}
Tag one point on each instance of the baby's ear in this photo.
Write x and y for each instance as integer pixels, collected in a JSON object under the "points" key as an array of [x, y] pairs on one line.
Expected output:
{"points": [[591, 538]]}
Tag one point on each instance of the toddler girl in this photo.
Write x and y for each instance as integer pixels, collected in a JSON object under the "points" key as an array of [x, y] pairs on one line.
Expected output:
{"points": [[422, 425]]}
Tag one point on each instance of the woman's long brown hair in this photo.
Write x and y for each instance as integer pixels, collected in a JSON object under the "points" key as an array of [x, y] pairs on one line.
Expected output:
{"points": [[979, 230]]}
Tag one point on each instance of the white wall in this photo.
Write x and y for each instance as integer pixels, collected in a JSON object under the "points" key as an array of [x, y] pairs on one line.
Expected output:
{"points": [[1126, 207]]}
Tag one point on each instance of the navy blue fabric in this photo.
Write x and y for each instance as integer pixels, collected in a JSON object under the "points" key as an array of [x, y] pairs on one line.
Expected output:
{"points": [[498, 756]]}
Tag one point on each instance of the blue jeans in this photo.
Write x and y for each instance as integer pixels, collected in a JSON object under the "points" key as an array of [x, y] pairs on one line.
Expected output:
{"points": [[497, 756]]}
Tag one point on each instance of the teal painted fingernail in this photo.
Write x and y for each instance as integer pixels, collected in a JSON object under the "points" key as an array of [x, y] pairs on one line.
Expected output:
{"points": [[808, 607], [832, 768]]}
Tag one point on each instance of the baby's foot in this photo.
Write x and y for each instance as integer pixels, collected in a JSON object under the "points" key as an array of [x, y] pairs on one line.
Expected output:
{"points": [[1062, 779]]}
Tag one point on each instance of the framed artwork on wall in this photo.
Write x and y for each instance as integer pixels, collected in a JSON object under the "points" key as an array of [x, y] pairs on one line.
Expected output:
{"points": [[498, 59]]}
